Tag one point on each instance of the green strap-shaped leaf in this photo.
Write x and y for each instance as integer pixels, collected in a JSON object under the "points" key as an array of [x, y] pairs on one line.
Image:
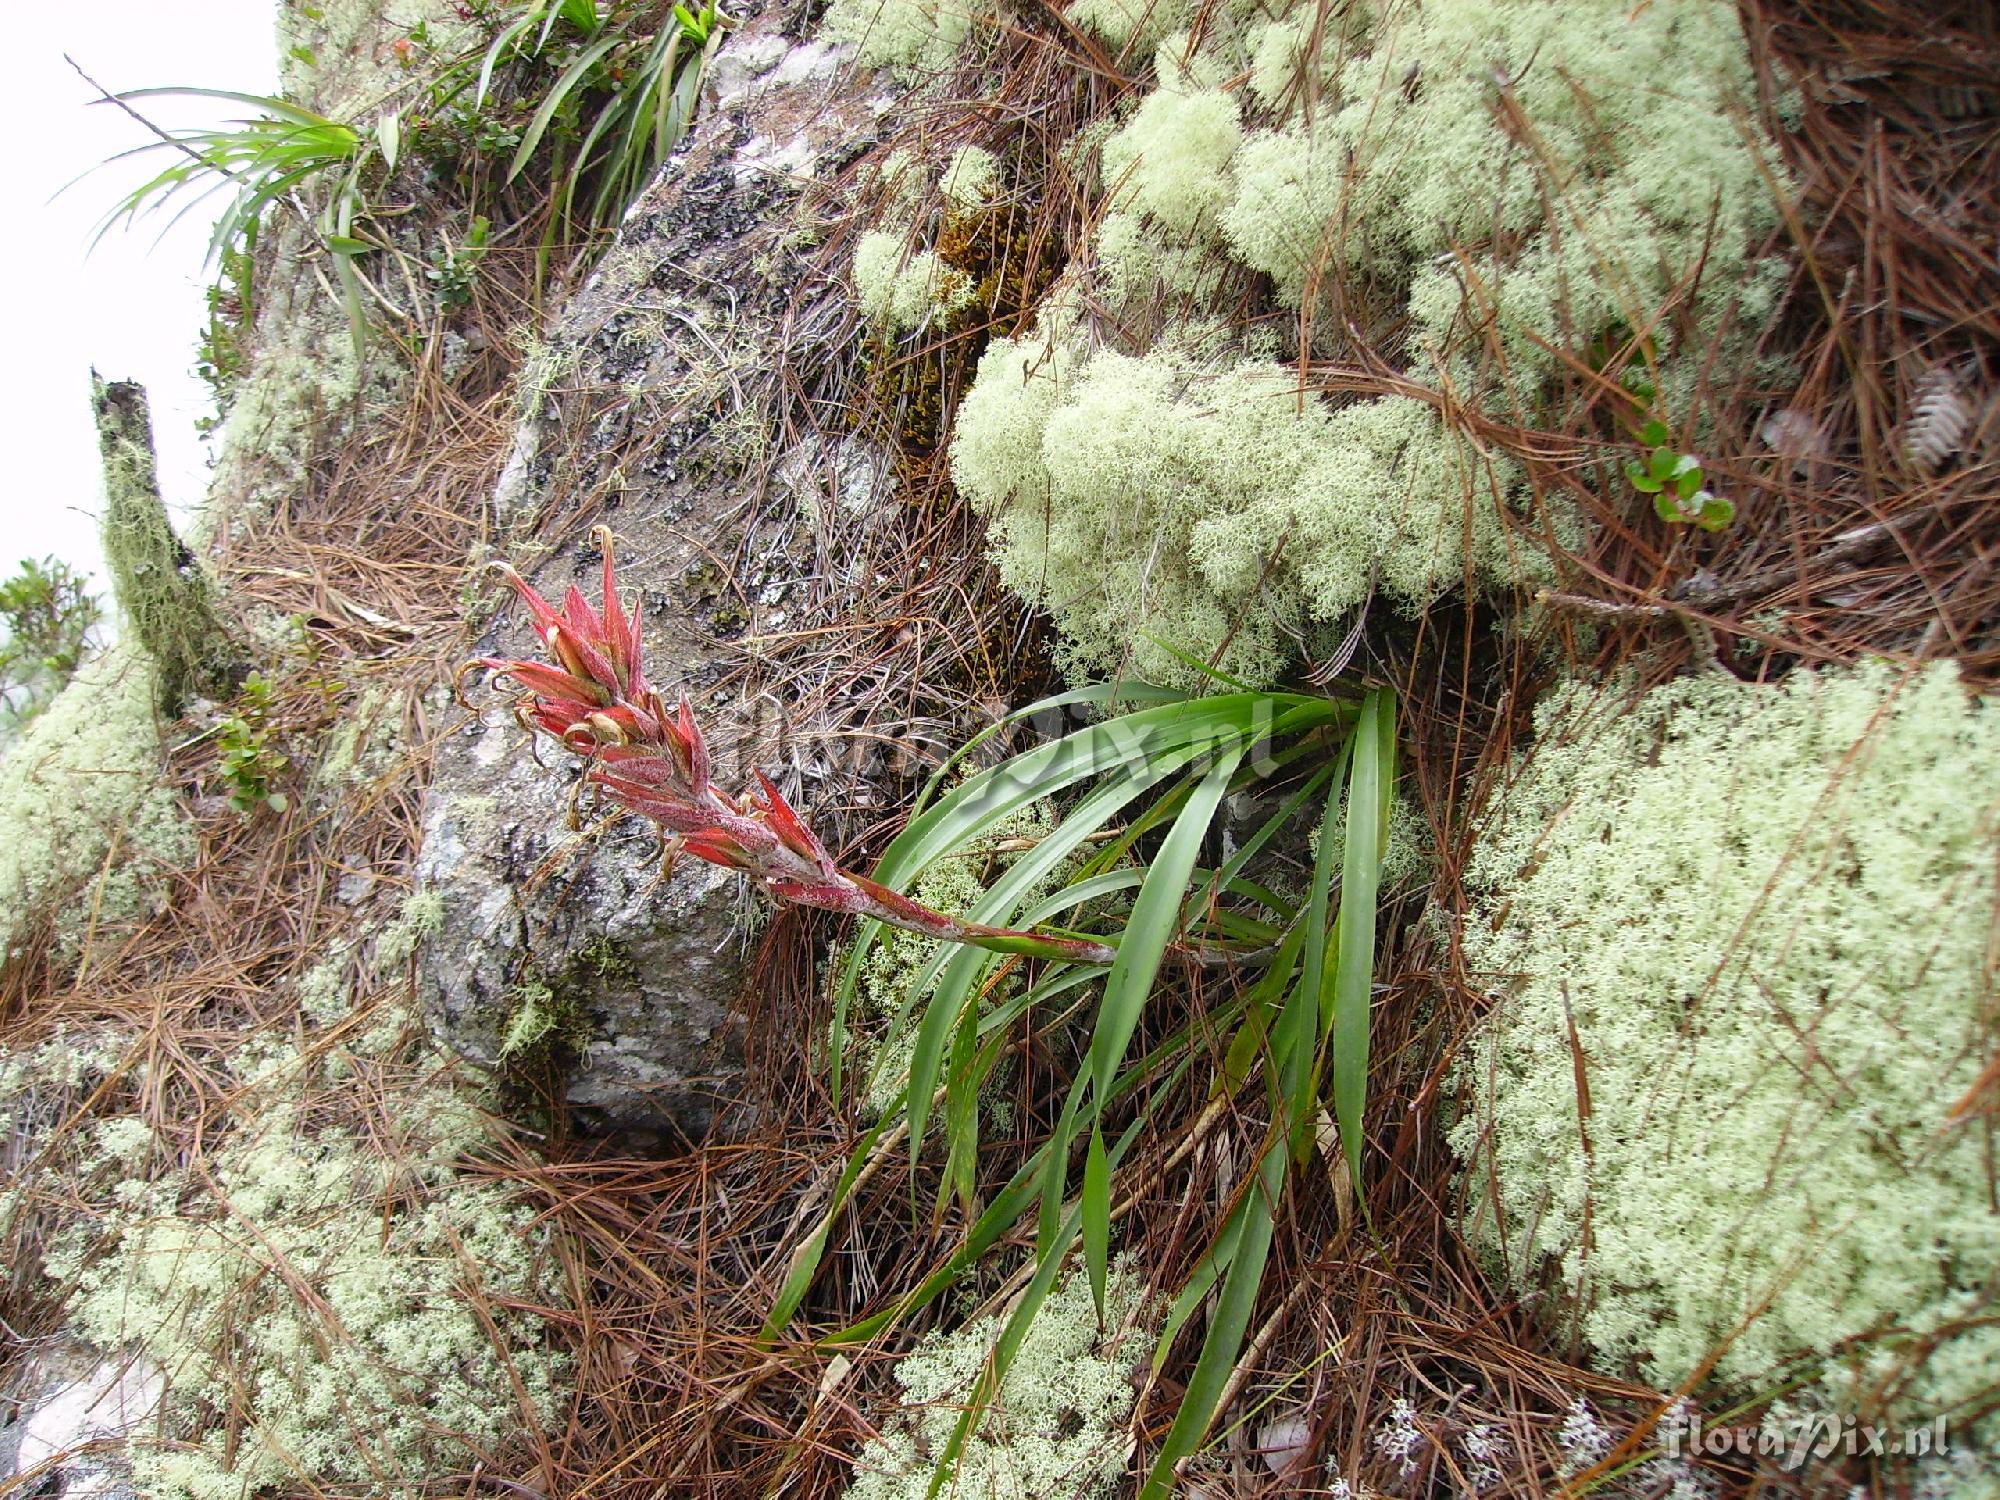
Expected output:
{"points": [[1096, 1210], [1154, 924], [573, 77], [1227, 1327], [1370, 789]]}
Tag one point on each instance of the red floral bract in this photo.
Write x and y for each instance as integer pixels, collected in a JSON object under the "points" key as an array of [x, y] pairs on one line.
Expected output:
{"points": [[593, 698]]}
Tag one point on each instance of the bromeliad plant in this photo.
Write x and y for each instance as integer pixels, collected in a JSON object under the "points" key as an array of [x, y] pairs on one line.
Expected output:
{"points": [[593, 698], [626, 93], [601, 94], [1155, 770], [265, 161]]}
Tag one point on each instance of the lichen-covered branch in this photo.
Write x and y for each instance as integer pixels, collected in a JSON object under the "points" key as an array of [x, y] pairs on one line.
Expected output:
{"points": [[160, 584]]}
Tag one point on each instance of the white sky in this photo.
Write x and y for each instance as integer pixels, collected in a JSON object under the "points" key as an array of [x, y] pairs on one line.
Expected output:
{"points": [[134, 307]]}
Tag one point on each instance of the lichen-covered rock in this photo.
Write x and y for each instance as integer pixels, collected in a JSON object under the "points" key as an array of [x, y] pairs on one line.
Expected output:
{"points": [[69, 1435], [650, 405], [636, 970]]}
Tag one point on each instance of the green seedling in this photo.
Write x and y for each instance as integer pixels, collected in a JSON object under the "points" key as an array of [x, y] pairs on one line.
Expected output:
{"points": [[1674, 480]]}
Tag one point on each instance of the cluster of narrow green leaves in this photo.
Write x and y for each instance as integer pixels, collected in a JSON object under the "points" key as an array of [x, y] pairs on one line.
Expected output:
{"points": [[615, 89], [645, 83], [262, 161], [1165, 765]]}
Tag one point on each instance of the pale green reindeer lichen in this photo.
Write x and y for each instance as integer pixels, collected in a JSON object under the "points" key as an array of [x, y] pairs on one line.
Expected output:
{"points": [[1170, 162], [88, 834], [970, 180], [899, 287], [1057, 1425], [1128, 26], [1171, 501], [1540, 174], [1767, 912], [914, 38], [1500, 192], [328, 1315]]}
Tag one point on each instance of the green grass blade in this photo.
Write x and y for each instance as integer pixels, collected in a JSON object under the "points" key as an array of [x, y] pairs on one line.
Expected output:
{"points": [[1369, 787], [1225, 874], [282, 109], [1253, 1040], [961, 1114], [1195, 663], [1110, 696], [1226, 1329], [1154, 924], [1020, 1193], [956, 824], [805, 1260], [1012, 1334], [507, 39], [1051, 986], [1212, 1265], [1096, 1211], [573, 78]]}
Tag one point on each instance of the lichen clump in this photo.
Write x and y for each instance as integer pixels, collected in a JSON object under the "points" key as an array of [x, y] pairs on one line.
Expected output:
{"points": [[87, 831], [914, 38], [1767, 912], [355, 1311], [1542, 173], [1499, 193], [1057, 1425], [900, 288], [1174, 503]]}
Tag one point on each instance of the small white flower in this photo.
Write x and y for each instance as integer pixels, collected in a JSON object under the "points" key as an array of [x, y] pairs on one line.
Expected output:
{"points": [[1482, 1446], [1399, 1438], [1583, 1438]]}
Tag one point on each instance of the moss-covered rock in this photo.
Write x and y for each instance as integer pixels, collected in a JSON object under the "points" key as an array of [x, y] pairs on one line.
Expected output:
{"points": [[1767, 914], [654, 386]]}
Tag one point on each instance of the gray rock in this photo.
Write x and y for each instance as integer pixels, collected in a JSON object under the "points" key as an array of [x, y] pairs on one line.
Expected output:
{"points": [[659, 410], [74, 1430], [741, 62], [632, 974]]}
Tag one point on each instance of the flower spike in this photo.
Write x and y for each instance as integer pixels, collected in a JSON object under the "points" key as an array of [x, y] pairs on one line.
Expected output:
{"points": [[595, 702]]}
